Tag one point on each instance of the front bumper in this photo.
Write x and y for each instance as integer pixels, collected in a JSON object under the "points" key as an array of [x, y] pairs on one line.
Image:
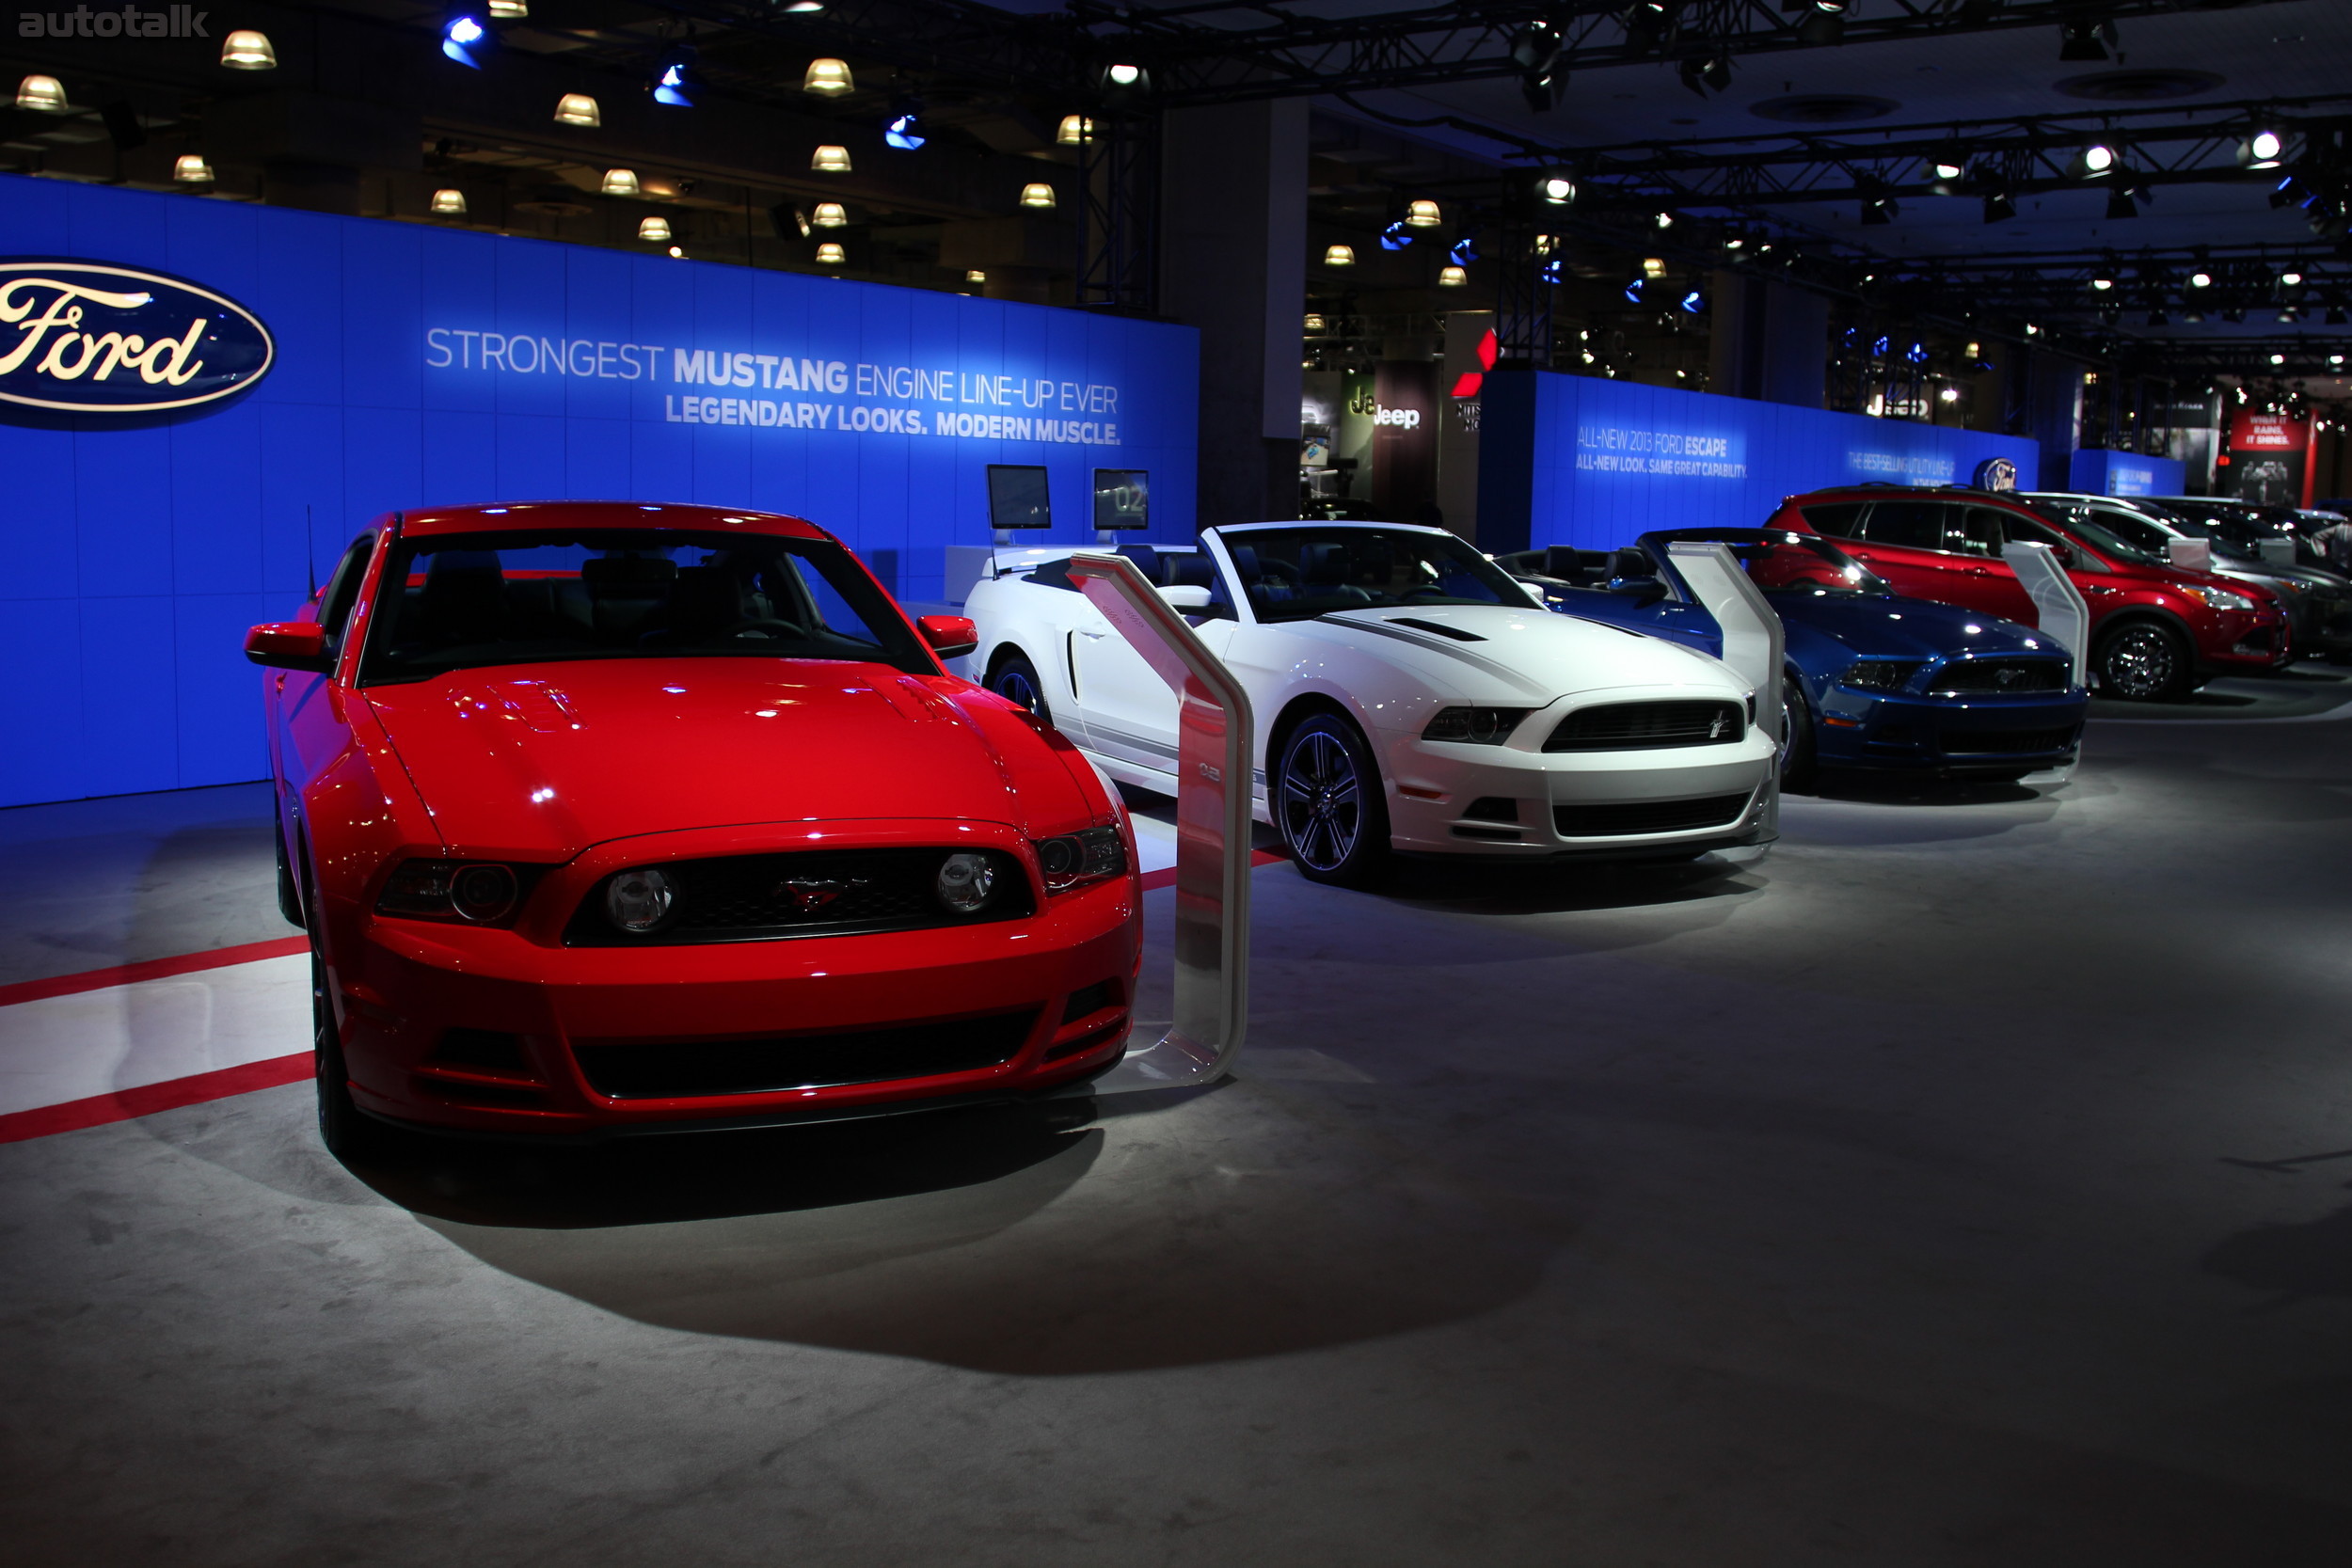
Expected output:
{"points": [[505, 1032], [2245, 640], [1668, 802], [1976, 734]]}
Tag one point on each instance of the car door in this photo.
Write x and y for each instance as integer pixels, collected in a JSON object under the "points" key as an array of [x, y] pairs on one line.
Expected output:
{"points": [[1127, 710], [1978, 534], [1902, 539], [309, 727]]}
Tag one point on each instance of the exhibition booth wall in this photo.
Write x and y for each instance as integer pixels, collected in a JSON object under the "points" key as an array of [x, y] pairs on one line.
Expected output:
{"points": [[2096, 473], [402, 366], [1591, 463]]}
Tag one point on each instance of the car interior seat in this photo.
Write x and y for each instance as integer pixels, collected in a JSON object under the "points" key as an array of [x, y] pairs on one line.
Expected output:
{"points": [[626, 593], [463, 600]]}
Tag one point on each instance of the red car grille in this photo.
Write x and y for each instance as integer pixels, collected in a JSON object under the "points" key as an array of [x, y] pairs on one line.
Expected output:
{"points": [[689, 1070], [805, 893]]}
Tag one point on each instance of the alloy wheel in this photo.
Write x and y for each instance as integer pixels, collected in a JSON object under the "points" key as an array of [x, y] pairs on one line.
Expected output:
{"points": [[2141, 663], [1322, 800]]}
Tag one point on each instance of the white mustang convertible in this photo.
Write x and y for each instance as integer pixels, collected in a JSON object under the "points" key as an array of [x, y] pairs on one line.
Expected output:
{"points": [[1410, 696]]}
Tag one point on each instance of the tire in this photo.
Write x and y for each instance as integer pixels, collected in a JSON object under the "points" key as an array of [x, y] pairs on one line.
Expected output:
{"points": [[1797, 769], [1330, 805], [1015, 680], [345, 1131], [289, 895], [2144, 662]]}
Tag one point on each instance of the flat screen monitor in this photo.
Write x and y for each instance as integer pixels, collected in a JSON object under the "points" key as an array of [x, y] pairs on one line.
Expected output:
{"points": [[1017, 496], [1122, 499]]}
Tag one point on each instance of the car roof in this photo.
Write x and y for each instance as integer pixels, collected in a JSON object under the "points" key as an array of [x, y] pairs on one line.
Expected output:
{"points": [[1332, 522], [1877, 491], [509, 516]]}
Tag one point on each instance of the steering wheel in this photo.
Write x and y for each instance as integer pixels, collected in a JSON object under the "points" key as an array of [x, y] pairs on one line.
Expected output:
{"points": [[765, 626]]}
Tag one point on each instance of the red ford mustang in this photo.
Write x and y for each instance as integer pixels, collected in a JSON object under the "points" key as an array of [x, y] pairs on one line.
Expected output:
{"points": [[606, 817]]}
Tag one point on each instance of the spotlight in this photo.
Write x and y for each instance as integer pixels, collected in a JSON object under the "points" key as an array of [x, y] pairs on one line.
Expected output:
{"points": [[655, 230], [1421, 214], [1535, 87], [246, 50], [1824, 20], [2291, 279], [1550, 273], [190, 168], [1700, 73], [448, 203], [830, 254], [2233, 315], [1664, 220], [1535, 45], [2000, 207], [1644, 23], [2201, 279], [1633, 291], [1339, 256], [578, 108], [1395, 236], [2336, 317], [1313, 321], [975, 275], [1122, 81], [2094, 162], [2157, 318], [904, 129], [828, 215], [2277, 358], [1123, 75], [1038, 194], [1076, 131], [1879, 211], [466, 38], [2261, 149], [674, 81], [2102, 283], [2122, 202], [41, 94], [1559, 190], [509, 10], [2085, 39], [677, 253], [828, 78], [1692, 303], [831, 158], [1451, 277], [1465, 250], [1947, 172]]}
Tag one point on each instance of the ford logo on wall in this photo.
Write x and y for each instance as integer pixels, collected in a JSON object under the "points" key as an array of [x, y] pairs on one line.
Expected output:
{"points": [[92, 338]]}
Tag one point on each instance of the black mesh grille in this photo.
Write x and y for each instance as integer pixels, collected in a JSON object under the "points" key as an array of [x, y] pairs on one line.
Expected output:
{"points": [[807, 893], [1647, 816], [1962, 743], [697, 1068], [1643, 726], [2001, 674]]}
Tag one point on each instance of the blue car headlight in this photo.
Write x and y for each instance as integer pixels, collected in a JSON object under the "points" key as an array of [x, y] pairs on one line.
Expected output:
{"points": [[1880, 674]]}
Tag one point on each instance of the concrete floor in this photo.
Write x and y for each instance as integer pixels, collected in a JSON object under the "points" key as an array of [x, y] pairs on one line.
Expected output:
{"points": [[1964, 1185]]}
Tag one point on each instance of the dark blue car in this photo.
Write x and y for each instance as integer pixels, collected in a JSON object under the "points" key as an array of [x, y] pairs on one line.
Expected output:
{"points": [[1881, 682]]}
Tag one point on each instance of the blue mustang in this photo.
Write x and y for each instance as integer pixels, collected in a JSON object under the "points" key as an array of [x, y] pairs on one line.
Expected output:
{"points": [[1880, 682]]}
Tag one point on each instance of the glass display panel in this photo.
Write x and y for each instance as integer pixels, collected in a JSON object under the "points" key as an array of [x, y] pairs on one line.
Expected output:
{"points": [[1017, 496], [1122, 499]]}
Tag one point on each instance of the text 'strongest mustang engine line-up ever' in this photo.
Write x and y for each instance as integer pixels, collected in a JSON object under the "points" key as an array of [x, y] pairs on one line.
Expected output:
{"points": [[606, 817]]}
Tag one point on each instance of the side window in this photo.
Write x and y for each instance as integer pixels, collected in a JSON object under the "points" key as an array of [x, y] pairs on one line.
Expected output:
{"points": [[1913, 524], [2025, 530], [342, 589], [1051, 574], [1978, 530], [1839, 519]]}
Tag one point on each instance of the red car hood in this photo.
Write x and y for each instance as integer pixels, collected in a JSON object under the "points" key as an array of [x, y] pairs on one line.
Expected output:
{"points": [[545, 760]]}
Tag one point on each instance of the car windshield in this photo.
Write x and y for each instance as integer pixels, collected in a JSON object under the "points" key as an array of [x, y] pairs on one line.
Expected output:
{"points": [[467, 600], [1296, 574], [2079, 521]]}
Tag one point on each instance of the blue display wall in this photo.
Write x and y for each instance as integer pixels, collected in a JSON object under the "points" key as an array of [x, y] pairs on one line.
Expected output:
{"points": [[1575, 460], [419, 366], [2095, 472]]}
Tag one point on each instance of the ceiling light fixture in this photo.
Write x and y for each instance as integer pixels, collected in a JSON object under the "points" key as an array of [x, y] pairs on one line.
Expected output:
{"points": [[1076, 131], [1422, 213], [247, 49], [509, 10], [41, 94], [828, 78], [830, 254], [1313, 321], [2261, 149], [1452, 277], [1036, 192], [2094, 162], [190, 168], [975, 275], [2086, 39], [578, 108], [655, 229], [449, 203], [674, 81], [620, 182], [1339, 256], [1559, 190], [2201, 279], [465, 38], [829, 214], [831, 158], [904, 130]]}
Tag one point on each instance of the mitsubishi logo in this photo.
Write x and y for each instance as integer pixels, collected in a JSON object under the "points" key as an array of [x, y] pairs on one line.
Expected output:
{"points": [[810, 895]]}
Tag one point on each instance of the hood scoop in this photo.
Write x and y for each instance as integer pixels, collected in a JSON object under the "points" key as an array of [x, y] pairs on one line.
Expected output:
{"points": [[1455, 632]]}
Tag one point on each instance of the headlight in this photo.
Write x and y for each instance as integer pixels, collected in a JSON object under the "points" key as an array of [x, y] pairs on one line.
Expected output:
{"points": [[640, 900], [1879, 675], [478, 893], [965, 880], [1081, 857], [2220, 598], [1475, 726]]}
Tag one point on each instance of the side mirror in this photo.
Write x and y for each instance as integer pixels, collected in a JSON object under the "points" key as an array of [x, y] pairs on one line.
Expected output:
{"points": [[950, 636], [289, 646], [1187, 596]]}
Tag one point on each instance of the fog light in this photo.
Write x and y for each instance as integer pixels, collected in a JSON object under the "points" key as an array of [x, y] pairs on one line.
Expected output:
{"points": [[965, 880], [639, 900], [483, 893]]}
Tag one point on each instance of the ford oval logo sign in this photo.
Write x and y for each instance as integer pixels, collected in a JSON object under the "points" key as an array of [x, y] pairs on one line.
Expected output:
{"points": [[92, 338]]}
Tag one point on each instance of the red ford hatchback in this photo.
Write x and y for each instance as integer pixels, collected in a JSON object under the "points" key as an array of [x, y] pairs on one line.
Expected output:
{"points": [[2156, 632]]}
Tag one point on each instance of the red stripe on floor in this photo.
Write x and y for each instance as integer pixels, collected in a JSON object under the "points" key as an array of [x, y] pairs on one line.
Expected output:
{"points": [[150, 968], [1166, 875], [147, 1098]]}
